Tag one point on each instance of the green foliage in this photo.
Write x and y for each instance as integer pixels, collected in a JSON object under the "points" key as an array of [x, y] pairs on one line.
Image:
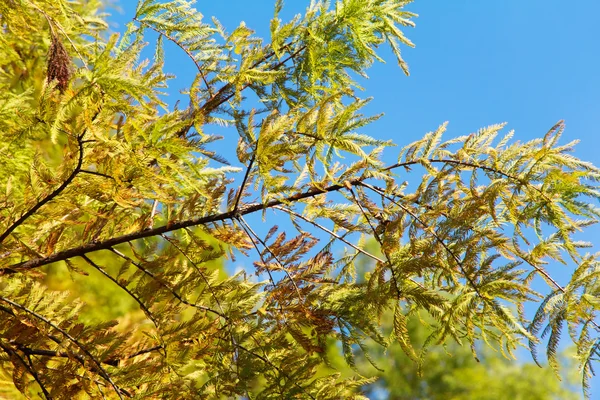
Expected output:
{"points": [[447, 371], [112, 200]]}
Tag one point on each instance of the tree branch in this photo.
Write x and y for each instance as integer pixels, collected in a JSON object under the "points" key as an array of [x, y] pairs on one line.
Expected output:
{"points": [[330, 232], [229, 215], [229, 322], [222, 97], [125, 288], [378, 239], [163, 284], [28, 367], [182, 47], [250, 232], [114, 362], [85, 171], [268, 362], [244, 181], [169, 227], [431, 231], [59, 189], [468, 165], [48, 198]]}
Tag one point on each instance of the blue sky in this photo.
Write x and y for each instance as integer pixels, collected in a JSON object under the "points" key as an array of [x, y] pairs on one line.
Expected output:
{"points": [[478, 62]]}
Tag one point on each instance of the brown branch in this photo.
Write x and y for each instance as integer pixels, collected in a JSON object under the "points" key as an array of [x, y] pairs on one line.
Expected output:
{"points": [[58, 190], [187, 257], [268, 362], [547, 276], [239, 346], [169, 227], [83, 376], [253, 238], [153, 214], [229, 215], [267, 248], [539, 270], [10, 312], [63, 354], [378, 239], [485, 168], [469, 165], [415, 201], [33, 372], [137, 353], [221, 97], [49, 197], [430, 208], [28, 367], [85, 171], [49, 353], [244, 181], [310, 135], [212, 292]]}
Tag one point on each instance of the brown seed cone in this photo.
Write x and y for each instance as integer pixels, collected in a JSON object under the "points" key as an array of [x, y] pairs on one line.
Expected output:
{"points": [[59, 64]]}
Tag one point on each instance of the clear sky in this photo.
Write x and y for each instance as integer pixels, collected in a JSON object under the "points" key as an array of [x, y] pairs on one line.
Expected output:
{"points": [[477, 62]]}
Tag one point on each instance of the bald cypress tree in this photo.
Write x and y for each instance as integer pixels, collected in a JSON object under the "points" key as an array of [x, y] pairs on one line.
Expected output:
{"points": [[112, 197]]}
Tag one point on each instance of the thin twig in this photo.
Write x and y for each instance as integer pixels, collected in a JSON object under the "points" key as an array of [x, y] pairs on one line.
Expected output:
{"points": [[163, 284], [470, 165], [260, 255], [85, 171], [267, 361], [378, 239], [244, 181], [169, 227], [37, 377], [210, 288], [182, 47], [330, 232], [304, 134], [58, 190], [49, 353], [217, 99], [115, 361], [153, 214], [49, 197], [281, 266], [28, 367], [197, 268], [125, 288], [431, 231]]}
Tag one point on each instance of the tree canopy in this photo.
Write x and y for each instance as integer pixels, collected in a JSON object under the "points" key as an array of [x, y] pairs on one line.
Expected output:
{"points": [[113, 198]]}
